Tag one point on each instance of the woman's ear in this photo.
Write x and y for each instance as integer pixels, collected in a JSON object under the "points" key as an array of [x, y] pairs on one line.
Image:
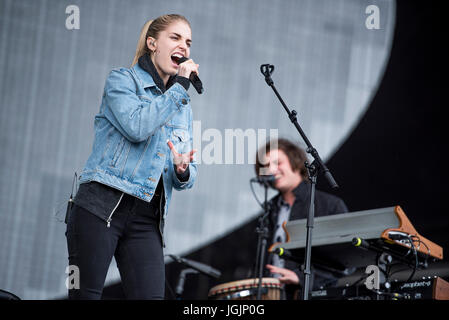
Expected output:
{"points": [[151, 44]]}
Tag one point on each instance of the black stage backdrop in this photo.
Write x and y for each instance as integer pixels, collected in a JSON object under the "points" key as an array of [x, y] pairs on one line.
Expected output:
{"points": [[395, 156]]}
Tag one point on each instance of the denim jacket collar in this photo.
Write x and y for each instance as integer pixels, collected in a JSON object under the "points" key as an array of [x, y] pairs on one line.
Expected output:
{"points": [[145, 78], [147, 66]]}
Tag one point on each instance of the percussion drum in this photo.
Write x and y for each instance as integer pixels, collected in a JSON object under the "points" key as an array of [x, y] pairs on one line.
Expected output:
{"points": [[247, 290]]}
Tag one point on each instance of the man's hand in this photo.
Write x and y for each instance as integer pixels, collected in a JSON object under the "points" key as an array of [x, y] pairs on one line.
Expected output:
{"points": [[287, 276], [181, 161]]}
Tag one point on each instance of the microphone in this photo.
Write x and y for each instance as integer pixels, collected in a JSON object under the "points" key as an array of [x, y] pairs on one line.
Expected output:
{"points": [[359, 242], [196, 82], [286, 254], [265, 179], [201, 267]]}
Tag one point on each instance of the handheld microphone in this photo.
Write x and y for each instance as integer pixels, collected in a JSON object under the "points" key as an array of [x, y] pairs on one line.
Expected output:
{"points": [[201, 267], [265, 179], [196, 82], [286, 254]]}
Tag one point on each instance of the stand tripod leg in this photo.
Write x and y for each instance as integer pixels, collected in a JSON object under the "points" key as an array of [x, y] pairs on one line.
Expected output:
{"points": [[307, 271], [262, 259]]}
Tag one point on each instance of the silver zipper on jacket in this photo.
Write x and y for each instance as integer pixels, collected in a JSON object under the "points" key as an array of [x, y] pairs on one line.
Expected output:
{"points": [[113, 210]]}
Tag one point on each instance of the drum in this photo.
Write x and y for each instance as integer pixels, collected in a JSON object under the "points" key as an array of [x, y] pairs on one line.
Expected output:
{"points": [[247, 290]]}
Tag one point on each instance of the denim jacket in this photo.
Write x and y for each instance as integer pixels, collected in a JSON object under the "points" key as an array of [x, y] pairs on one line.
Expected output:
{"points": [[130, 151]]}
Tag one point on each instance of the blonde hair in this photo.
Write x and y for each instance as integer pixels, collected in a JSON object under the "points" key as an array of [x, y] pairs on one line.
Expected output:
{"points": [[152, 28]]}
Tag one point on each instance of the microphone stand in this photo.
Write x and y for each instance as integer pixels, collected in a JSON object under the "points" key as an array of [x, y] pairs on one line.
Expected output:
{"points": [[313, 169], [181, 280], [262, 231]]}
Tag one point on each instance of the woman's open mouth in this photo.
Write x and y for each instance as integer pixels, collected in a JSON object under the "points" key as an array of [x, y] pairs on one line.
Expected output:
{"points": [[176, 57]]}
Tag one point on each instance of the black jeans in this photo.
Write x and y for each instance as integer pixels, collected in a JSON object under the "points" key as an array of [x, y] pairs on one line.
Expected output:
{"points": [[134, 240]]}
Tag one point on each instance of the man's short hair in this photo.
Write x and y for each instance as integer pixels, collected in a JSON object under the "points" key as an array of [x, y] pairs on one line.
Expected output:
{"points": [[296, 156]]}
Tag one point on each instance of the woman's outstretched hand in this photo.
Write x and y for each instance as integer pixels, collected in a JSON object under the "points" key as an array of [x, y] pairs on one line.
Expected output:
{"points": [[181, 160]]}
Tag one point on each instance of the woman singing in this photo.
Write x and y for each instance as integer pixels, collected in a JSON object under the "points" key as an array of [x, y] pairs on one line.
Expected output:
{"points": [[142, 149]]}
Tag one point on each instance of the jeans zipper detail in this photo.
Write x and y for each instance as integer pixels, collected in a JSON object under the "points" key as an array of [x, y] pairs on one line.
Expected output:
{"points": [[113, 210]]}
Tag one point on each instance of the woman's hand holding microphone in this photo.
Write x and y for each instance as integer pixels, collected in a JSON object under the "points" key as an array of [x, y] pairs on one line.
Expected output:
{"points": [[187, 67]]}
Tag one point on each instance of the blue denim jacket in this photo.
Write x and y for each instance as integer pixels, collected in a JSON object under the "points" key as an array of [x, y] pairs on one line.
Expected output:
{"points": [[136, 119]]}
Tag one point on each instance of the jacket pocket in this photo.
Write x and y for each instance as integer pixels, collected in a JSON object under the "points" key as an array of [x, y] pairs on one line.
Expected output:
{"points": [[180, 135], [118, 152], [107, 144], [180, 139]]}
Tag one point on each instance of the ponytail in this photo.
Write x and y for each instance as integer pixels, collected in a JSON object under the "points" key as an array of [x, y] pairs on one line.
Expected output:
{"points": [[142, 43]]}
